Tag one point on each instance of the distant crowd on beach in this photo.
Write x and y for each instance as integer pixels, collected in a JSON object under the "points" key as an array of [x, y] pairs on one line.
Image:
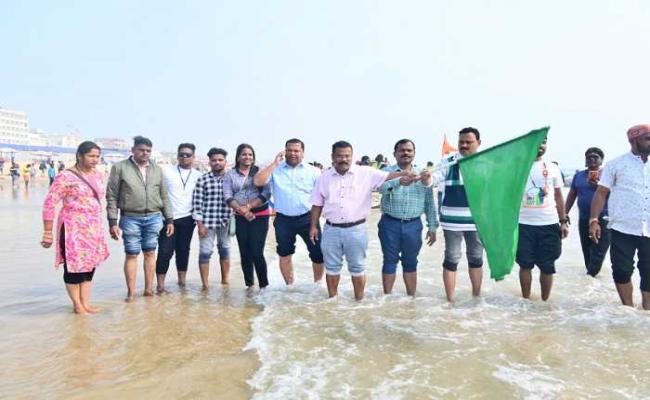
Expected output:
{"points": [[155, 210]]}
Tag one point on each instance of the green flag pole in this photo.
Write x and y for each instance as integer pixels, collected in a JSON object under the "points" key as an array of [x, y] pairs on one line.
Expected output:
{"points": [[495, 180]]}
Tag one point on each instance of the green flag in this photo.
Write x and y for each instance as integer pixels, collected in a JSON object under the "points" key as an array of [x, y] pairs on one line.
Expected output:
{"points": [[495, 180]]}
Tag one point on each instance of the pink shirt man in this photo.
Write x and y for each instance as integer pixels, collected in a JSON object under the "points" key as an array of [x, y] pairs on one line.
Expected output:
{"points": [[347, 198]]}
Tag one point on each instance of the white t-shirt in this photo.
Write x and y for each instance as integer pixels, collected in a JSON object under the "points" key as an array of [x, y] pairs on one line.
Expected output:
{"points": [[538, 205], [180, 185]]}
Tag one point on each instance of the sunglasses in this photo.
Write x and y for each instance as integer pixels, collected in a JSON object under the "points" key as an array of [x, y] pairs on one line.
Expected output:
{"points": [[185, 155]]}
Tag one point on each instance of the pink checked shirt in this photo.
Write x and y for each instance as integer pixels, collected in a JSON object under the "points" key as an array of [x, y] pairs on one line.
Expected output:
{"points": [[347, 198]]}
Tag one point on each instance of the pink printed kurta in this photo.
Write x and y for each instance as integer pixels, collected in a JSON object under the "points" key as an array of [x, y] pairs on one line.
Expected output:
{"points": [[85, 241]]}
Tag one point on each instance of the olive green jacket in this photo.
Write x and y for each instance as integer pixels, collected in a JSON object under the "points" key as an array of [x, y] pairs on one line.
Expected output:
{"points": [[128, 192]]}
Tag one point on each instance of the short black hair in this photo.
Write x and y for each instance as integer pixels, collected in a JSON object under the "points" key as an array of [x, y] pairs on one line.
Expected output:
{"points": [[403, 141], [341, 144], [595, 150], [467, 130], [295, 141], [186, 146], [141, 140], [216, 150]]}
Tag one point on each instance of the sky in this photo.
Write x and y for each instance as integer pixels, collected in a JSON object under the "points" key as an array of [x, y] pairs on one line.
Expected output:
{"points": [[219, 73]]}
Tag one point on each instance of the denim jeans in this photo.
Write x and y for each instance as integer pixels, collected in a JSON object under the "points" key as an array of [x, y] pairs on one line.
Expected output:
{"points": [[473, 244], [140, 233], [206, 244], [400, 241], [349, 242]]}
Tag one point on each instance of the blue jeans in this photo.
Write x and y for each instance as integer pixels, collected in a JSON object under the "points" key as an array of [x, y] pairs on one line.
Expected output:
{"points": [[400, 241], [140, 233], [349, 242]]}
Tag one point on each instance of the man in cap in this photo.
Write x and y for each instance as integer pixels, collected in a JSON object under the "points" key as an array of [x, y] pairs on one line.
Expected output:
{"points": [[626, 180]]}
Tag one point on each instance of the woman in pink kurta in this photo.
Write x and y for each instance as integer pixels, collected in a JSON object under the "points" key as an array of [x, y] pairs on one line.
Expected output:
{"points": [[81, 243]]}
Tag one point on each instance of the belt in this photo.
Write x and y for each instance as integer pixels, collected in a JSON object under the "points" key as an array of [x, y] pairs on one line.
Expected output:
{"points": [[402, 220], [346, 224], [291, 216]]}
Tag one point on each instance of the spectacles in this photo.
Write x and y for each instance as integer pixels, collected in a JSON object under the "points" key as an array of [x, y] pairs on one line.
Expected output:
{"points": [[185, 155]]}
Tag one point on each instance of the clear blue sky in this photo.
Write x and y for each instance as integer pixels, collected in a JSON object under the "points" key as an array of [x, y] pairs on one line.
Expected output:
{"points": [[370, 72]]}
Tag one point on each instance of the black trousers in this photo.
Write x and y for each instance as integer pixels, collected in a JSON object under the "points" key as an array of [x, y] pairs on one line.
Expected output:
{"points": [[251, 237], [594, 253], [178, 243]]}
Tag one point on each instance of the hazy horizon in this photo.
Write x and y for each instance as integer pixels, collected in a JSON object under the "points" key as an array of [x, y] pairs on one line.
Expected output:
{"points": [[369, 72]]}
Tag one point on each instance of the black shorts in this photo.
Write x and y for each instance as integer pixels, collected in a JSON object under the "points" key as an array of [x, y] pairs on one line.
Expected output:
{"points": [[622, 252], [286, 230], [539, 245]]}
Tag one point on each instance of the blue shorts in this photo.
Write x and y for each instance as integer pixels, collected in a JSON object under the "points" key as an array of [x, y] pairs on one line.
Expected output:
{"points": [[400, 241], [140, 233]]}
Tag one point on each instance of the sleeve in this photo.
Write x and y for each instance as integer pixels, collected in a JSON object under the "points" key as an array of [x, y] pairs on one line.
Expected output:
{"points": [[227, 188], [377, 178], [265, 192], [430, 210], [388, 186], [608, 177], [197, 201], [317, 197], [167, 206], [112, 194], [54, 195]]}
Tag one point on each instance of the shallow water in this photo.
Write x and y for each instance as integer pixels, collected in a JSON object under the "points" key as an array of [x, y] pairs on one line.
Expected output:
{"points": [[295, 343]]}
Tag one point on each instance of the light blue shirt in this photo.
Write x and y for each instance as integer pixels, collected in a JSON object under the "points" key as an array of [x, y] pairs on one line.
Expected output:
{"points": [[291, 188]]}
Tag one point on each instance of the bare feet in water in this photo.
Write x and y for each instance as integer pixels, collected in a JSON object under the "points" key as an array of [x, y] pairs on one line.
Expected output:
{"points": [[161, 291], [92, 309], [148, 293], [80, 310], [129, 298]]}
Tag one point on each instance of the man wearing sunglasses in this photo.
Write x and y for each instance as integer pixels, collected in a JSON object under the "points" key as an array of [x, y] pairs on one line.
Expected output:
{"points": [[180, 180]]}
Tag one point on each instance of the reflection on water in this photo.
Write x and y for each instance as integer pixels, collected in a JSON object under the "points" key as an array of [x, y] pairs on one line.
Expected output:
{"points": [[295, 343]]}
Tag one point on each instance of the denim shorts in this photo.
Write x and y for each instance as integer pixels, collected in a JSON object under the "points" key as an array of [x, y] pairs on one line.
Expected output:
{"points": [[349, 242], [453, 242], [206, 244], [140, 233]]}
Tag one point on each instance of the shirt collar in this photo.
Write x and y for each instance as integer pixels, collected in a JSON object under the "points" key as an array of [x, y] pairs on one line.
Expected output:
{"points": [[285, 165], [138, 165]]}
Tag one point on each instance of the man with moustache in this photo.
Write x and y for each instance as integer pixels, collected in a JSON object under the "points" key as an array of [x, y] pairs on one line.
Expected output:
{"points": [[403, 202], [583, 187], [180, 180], [343, 195], [292, 181], [626, 180], [212, 216], [456, 219], [543, 224], [136, 188]]}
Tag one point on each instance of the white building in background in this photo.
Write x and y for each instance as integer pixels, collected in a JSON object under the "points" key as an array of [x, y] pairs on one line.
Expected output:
{"points": [[113, 143], [14, 127], [63, 140]]}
